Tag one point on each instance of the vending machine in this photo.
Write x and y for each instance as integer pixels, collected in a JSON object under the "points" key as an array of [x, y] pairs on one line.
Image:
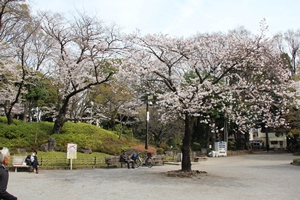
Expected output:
{"points": [[221, 148]]}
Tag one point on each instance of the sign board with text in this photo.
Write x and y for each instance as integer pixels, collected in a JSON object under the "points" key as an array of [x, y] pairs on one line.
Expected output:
{"points": [[72, 151]]}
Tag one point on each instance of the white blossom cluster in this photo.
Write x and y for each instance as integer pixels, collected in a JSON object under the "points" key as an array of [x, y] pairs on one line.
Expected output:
{"points": [[237, 73]]}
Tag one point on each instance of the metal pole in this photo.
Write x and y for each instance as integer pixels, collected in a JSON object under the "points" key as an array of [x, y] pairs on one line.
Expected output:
{"points": [[226, 134], [267, 139], [147, 123]]}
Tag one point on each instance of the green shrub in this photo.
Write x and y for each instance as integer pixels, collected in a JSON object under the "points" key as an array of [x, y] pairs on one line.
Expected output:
{"points": [[126, 132], [160, 151], [231, 145], [31, 135], [296, 161], [24, 135], [196, 146], [166, 147]]}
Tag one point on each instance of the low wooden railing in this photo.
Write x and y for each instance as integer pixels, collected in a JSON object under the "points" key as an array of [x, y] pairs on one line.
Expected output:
{"points": [[63, 162]]}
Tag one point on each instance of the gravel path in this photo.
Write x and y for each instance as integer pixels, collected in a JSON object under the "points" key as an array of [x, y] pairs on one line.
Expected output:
{"points": [[256, 176]]}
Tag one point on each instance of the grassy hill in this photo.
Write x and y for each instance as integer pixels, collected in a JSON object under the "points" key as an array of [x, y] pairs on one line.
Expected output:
{"points": [[31, 135]]}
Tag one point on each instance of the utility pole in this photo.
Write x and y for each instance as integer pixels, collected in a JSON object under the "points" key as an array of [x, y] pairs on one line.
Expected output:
{"points": [[226, 131], [267, 139], [147, 122], [149, 101]]}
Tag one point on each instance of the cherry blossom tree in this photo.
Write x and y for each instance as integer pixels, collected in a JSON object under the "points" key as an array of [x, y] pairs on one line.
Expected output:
{"points": [[17, 28], [80, 107], [87, 53], [195, 75]]}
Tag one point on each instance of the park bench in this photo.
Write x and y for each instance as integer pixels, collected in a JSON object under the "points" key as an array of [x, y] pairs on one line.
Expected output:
{"points": [[19, 162], [114, 161], [158, 159]]}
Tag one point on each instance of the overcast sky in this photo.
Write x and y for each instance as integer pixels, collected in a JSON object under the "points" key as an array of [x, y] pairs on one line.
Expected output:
{"points": [[184, 17]]}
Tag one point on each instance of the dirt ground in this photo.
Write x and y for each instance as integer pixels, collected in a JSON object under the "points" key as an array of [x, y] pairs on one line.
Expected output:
{"points": [[255, 176]]}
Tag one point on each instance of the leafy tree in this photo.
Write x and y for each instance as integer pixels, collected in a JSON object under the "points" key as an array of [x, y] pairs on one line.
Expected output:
{"points": [[161, 131], [115, 101], [289, 43], [164, 131], [35, 93], [292, 123]]}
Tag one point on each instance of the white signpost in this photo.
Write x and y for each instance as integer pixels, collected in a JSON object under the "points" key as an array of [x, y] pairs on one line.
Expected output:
{"points": [[71, 153]]}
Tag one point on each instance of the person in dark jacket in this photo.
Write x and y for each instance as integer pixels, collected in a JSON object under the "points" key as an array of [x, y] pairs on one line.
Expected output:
{"points": [[34, 161], [4, 176], [125, 158]]}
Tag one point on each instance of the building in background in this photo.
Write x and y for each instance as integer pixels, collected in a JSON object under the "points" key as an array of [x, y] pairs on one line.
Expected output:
{"points": [[258, 140]]}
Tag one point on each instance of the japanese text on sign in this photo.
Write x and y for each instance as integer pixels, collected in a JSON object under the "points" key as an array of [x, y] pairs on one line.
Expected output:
{"points": [[72, 151]]}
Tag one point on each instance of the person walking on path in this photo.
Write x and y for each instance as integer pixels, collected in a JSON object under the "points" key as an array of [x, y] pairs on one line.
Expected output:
{"points": [[4, 176]]}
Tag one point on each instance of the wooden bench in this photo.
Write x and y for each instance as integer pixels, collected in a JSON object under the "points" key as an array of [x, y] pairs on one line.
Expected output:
{"points": [[158, 159], [113, 161], [19, 162]]}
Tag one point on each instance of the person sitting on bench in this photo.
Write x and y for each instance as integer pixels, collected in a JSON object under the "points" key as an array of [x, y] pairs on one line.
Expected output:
{"points": [[125, 158]]}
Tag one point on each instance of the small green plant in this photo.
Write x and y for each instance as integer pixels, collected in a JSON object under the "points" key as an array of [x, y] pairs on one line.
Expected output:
{"points": [[160, 151], [196, 146], [296, 161]]}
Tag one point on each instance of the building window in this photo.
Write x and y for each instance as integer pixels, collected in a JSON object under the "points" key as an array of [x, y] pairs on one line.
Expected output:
{"points": [[274, 142]]}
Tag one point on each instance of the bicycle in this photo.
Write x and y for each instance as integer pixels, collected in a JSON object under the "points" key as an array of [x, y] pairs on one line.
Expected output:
{"points": [[145, 161]]}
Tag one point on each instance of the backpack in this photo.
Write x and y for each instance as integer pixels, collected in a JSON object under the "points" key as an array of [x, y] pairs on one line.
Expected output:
{"points": [[28, 160], [134, 156]]}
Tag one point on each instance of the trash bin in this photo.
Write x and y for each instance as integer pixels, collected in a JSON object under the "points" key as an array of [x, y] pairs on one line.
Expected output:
{"points": [[213, 154]]}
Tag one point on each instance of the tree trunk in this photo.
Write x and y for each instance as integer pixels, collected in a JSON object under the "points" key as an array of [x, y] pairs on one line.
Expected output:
{"points": [[121, 130], [9, 118], [59, 123], [239, 145], [7, 110], [25, 112], [186, 143], [246, 143], [61, 117], [112, 123]]}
